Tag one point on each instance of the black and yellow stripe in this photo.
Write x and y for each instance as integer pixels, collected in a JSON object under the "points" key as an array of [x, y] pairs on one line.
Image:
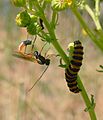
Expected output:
{"points": [[74, 67]]}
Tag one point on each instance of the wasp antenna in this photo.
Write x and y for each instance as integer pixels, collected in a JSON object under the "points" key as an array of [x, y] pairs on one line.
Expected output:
{"points": [[43, 47], [47, 52], [38, 79]]}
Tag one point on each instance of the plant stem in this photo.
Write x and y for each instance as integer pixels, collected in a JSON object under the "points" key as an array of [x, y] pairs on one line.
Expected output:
{"points": [[60, 51], [52, 35], [87, 100], [97, 7], [94, 16], [54, 19], [86, 28], [55, 42], [83, 92]]}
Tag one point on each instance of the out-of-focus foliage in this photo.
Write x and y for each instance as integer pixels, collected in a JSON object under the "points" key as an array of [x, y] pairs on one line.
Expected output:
{"points": [[19, 3]]}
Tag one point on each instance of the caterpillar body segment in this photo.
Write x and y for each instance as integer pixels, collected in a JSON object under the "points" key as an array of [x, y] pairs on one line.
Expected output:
{"points": [[72, 71]]}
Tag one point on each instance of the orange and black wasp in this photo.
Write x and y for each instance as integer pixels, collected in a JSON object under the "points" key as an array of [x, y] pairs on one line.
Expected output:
{"points": [[35, 57]]}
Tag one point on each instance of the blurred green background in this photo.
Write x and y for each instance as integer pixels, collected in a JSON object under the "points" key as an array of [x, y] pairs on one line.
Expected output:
{"points": [[50, 99]]}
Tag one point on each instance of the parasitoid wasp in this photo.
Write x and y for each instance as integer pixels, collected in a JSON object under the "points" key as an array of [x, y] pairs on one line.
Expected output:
{"points": [[35, 57]]}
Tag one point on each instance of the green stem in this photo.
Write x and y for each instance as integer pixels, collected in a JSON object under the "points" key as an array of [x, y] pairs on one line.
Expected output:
{"points": [[60, 51], [54, 41], [54, 16], [97, 14], [53, 37], [97, 8], [94, 16], [86, 28], [87, 100], [54, 19], [83, 92]]}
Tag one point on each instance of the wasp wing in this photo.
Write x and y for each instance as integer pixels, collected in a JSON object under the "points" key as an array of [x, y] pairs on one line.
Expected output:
{"points": [[28, 57]]}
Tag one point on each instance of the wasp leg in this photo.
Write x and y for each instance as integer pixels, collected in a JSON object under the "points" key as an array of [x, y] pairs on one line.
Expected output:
{"points": [[43, 47], [33, 44]]}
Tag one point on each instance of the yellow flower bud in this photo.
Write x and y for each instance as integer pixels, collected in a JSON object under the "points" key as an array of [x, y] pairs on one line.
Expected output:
{"points": [[59, 4], [33, 28], [23, 19]]}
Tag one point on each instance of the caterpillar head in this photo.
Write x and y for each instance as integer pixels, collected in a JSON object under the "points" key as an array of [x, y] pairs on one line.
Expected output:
{"points": [[76, 43], [70, 49]]}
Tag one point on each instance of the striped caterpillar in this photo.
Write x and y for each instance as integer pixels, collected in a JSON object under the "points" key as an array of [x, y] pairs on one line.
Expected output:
{"points": [[72, 71]]}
